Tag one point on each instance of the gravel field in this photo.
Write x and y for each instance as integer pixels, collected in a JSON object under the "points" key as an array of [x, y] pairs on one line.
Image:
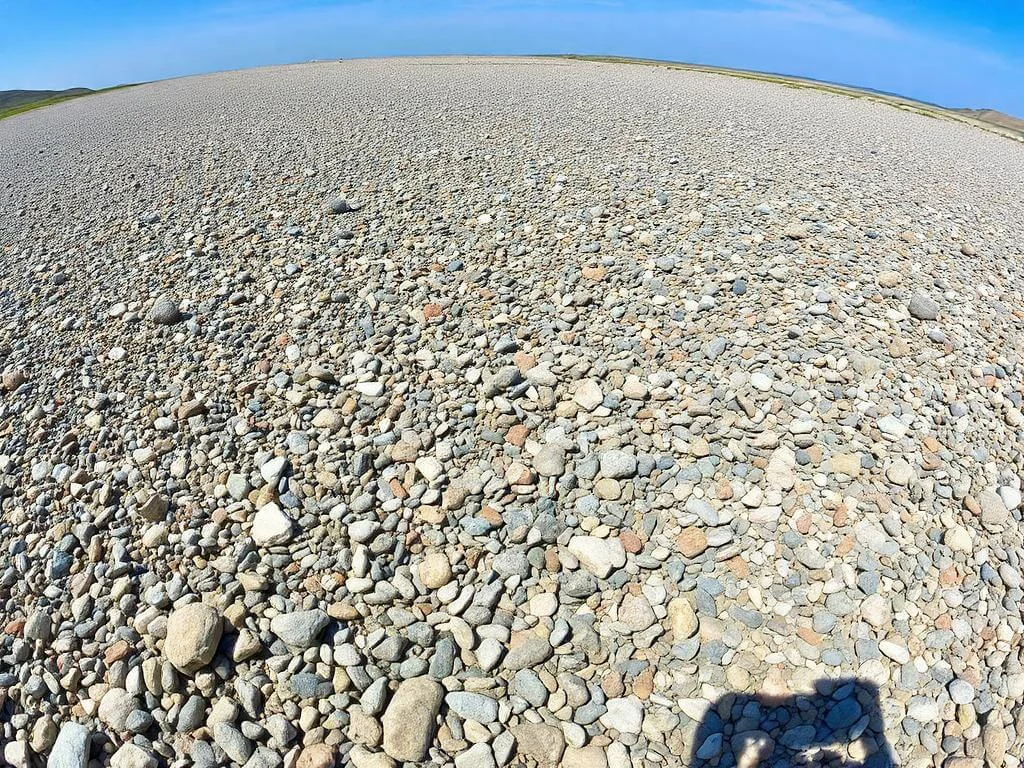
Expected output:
{"points": [[502, 412]]}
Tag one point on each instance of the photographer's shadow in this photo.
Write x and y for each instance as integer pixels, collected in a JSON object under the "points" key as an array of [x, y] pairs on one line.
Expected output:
{"points": [[838, 726]]}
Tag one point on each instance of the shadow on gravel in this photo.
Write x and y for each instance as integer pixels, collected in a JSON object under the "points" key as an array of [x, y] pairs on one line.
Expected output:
{"points": [[838, 726]]}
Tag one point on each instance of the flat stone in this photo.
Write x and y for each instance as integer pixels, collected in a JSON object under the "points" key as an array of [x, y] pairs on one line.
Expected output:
{"points": [[540, 742], [300, 629], [473, 706], [410, 719], [599, 556], [71, 749]]}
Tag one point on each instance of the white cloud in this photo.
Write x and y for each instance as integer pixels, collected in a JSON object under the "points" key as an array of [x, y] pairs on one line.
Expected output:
{"points": [[834, 14]]}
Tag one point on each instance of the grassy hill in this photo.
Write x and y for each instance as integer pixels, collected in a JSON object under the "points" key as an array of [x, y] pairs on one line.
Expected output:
{"points": [[16, 101], [12, 99]]}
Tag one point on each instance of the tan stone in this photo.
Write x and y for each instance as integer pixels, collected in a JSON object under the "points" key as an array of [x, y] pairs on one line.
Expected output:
{"points": [[316, 756], [682, 619], [846, 464], [692, 542], [435, 570], [193, 632]]}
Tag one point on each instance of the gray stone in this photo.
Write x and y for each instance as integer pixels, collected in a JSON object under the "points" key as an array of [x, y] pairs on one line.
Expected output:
{"points": [[473, 706], [71, 749], [236, 746], [165, 311], [618, 464], [531, 650], [300, 629], [923, 307]]}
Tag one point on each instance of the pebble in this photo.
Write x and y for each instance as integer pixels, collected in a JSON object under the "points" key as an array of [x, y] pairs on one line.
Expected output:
{"points": [[564, 465], [193, 632], [409, 719], [165, 311], [271, 526], [473, 706], [300, 629], [599, 556], [923, 307]]}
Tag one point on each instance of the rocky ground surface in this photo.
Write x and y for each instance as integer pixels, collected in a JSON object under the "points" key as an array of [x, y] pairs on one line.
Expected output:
{"points": [[500, 413]]}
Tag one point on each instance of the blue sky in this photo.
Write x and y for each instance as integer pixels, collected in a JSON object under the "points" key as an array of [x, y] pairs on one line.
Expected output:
{"points": [[963, 53]]}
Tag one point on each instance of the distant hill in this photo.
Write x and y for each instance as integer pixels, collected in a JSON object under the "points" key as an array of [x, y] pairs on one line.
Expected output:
{"points": [[986, 119], [996, 118], [11, 99], [14, 102]]}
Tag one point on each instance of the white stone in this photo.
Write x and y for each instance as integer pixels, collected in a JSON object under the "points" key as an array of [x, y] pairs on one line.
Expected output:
{"points": [[71, 749], [781, 471], [131, 756], [899, 472], [588, 395], [370, 388], [1011, 496], [429, 467], [435, 570], [682, 619], [271, 470], [193, 632], [892, 427], [959, 539], [115, 706], [599, 556], [618, 464], [271, 526], [624, 714], [895, 651], [544, 604]]}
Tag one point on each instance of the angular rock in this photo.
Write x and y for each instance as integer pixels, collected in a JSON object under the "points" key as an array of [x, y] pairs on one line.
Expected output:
{"points": [[599, 556], [300, 629]]}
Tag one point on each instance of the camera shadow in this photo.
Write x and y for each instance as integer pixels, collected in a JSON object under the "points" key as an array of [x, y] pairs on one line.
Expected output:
{"points": [[840, 725]]}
